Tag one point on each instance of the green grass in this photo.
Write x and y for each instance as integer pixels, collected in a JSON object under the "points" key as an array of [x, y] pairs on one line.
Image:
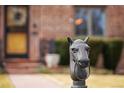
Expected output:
{"points": [[5, 82], [94, 81], [99, 78], [106, 81], [65, 70], [60, 69]]}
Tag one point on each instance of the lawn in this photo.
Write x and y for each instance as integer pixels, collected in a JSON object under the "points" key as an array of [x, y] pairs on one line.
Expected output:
{"points": [[99, 78], [94, 81], [5, 82]]}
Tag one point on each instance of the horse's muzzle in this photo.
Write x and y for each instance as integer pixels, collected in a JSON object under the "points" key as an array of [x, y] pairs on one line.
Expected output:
{"points": [[84, 63]]}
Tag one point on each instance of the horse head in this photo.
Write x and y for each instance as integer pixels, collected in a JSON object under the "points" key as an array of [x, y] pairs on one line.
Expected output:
{"points": [[79, 51]]}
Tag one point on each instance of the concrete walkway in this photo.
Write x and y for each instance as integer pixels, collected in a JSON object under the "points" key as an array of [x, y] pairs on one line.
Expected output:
{"points": [[33, 81]]}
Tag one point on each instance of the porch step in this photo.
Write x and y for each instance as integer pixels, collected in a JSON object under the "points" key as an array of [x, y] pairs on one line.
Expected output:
{"points": [[22, 67], [17, 60]]}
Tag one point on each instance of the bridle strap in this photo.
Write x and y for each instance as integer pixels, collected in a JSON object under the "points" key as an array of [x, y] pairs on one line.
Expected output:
{"points": [[75, 60], [76, 63]]}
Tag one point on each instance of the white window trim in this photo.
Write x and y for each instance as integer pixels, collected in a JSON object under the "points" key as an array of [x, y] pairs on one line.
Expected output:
{"points": [[89, 22]]}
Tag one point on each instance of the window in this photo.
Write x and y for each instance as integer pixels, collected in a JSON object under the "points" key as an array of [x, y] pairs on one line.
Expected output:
{"points": [[89, 21]]}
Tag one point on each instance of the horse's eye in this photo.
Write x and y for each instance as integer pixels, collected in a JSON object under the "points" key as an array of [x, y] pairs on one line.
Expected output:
{"points": [[87, 48], [74, 50]]}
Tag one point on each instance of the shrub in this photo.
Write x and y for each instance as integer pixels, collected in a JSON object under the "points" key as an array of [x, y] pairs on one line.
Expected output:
{"points": [[96, 45], [112, 51], [2, 69], [63, 49], [110, 48]]}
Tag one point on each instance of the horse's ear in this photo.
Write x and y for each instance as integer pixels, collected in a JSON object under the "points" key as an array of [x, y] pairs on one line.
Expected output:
{"points": [[86, 39], [70, 41]]}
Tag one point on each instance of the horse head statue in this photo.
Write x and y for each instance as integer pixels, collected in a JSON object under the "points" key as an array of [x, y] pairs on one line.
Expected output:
{"points": [[79, 61]]}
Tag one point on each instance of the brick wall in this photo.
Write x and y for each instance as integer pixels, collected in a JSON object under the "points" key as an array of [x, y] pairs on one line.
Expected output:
{"points": [[115, 28], [48, 22], [115, 21], [1, 32], [34, 29], [0, 20], [55, 21]]}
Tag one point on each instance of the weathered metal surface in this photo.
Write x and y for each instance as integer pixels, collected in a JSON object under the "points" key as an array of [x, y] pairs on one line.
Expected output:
{"points": [[79, 62]]}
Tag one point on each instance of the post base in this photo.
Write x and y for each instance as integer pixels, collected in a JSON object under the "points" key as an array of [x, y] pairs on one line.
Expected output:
{"points": [[79, 84]]}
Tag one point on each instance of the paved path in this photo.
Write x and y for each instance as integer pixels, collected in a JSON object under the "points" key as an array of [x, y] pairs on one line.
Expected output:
{"points": [[32, 81]]}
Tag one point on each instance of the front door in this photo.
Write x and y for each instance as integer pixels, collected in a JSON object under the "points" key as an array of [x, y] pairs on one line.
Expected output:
{"points": [[16, 31]]}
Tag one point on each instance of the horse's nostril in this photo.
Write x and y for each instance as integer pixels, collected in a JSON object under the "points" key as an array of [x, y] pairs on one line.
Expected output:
{"points": [[80, 60], [84, 63], [86, 60]]}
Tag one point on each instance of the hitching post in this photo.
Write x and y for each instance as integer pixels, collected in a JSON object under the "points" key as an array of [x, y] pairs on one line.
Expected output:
{"points": [[79, 62]]}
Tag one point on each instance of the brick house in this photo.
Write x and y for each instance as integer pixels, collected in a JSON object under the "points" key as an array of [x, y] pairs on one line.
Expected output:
{"points": [[23, 27]]}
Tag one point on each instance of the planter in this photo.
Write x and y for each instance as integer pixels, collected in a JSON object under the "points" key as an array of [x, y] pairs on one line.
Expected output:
{"points": [[52, 60]]}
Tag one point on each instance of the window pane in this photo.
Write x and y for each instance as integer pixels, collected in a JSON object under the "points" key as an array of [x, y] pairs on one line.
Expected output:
{"points": [[98, 21], [81, 21]]}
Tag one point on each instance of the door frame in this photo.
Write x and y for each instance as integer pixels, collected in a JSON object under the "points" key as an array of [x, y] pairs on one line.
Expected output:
{"points": [[5, 35]]}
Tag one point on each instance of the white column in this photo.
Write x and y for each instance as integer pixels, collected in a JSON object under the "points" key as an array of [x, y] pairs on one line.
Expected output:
{"points": [[89, 22]]}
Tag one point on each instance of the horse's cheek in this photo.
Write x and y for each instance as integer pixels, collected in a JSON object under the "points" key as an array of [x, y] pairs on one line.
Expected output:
{"points": [[72, 71]]}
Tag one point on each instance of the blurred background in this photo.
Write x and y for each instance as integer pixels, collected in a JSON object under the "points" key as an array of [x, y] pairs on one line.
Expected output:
{"points": [[33, 40]]}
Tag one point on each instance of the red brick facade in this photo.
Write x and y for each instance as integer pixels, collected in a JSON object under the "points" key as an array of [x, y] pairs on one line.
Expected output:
{"points": [[34, 39], [2, 30], [115, 17], [57, 22], [50, 22]]}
